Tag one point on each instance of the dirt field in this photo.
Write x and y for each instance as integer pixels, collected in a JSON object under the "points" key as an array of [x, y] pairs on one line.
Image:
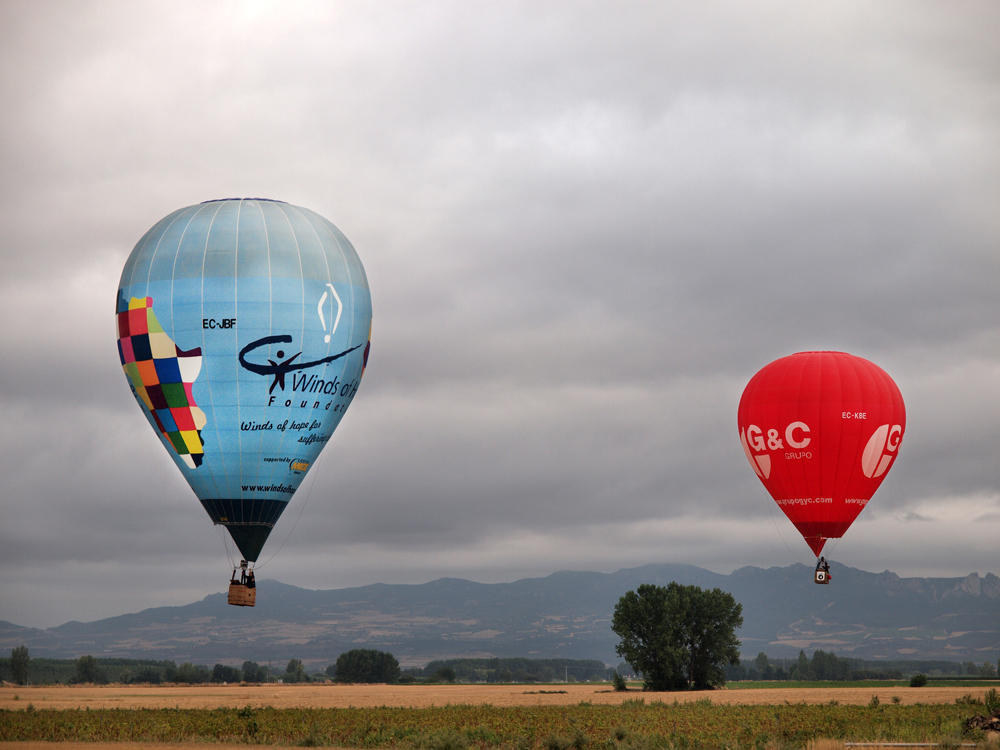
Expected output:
{"points": [[417, 696]]}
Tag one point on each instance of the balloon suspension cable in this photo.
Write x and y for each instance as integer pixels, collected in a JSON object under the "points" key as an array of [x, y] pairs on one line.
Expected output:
{"points": [[830, 546], [778, 527], [236, 562], [226, 540], [311, 481]]}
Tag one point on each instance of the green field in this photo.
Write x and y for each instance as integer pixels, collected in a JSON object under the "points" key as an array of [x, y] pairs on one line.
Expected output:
{"points": [[794, 684], [634, 724]]}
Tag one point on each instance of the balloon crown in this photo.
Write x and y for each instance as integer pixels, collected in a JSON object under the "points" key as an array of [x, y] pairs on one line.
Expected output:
{"points": [[267, 200]]}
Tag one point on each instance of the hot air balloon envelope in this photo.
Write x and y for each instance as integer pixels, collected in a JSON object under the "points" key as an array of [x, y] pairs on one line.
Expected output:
{"points": [[820, 430], [243, 331]]}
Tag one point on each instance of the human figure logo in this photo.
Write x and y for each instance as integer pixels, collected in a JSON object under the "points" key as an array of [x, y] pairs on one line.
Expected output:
{"points": [[278, 369]]}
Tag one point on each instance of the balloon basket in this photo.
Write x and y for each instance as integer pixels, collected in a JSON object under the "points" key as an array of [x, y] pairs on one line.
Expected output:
{"points": [[820, 576], [241, 595]]}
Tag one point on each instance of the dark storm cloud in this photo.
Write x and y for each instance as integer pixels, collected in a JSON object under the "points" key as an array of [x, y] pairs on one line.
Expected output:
{"points": [[585, 227]]}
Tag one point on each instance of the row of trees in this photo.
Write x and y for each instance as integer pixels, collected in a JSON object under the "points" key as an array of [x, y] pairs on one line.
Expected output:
{"points": [[510, 670], [985, 670], [22, 669], [827, 666], [361, 665], [358, 665], [822, 666]]}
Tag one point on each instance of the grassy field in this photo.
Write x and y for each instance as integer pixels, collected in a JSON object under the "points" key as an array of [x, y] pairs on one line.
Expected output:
{"points": [[548, 717], [931, 683]]}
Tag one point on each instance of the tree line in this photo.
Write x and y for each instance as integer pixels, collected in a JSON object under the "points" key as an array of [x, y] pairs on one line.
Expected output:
{"points": [[826, 666], [23, 670], [366, 665], [510, 670], [359, 665]]}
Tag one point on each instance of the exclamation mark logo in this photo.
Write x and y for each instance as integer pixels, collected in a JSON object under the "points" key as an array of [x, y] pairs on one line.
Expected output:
{"points": [[335, 298]]}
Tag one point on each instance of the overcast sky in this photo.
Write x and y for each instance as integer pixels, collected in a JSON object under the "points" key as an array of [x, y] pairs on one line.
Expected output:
{"points": [[585, 225]]}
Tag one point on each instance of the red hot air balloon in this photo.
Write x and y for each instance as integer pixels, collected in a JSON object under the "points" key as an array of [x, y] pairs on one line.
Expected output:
{"points": [[821, 430]]}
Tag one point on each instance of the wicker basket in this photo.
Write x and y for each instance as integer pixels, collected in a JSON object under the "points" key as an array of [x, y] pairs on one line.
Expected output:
{"points": [[242, 595]]}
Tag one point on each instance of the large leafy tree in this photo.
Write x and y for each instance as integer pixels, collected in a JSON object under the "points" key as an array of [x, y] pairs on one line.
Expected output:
{"points": [[295, 671], [222, 673], [365, 665], [253, 672], [86, 669], [678, 637], [19, 661]]}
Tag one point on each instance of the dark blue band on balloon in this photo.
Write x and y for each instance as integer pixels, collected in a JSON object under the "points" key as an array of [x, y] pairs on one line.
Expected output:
{"points": [[249, 521]]}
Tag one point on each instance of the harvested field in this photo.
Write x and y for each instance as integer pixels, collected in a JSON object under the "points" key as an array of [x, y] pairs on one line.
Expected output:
{"points": [[423, 696]]}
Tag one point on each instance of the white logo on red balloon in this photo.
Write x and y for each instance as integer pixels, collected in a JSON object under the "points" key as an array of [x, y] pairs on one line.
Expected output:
{"points": [[881, 450], [757, 441]]}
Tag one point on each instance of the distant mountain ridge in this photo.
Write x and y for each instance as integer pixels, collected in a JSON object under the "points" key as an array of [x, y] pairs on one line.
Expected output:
{"points": [[566, 614]]}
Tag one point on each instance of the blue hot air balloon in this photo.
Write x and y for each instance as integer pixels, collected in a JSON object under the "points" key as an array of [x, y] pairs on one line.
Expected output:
{"points": [[244, 327]]}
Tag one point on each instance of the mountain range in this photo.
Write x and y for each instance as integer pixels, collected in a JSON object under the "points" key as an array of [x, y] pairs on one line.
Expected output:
{"points": [[566, 614]]}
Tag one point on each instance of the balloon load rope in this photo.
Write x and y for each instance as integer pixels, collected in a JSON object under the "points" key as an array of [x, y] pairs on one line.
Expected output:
{"points": [[831, 544], [777, 529], [310, 480], [224, 534], [236, 562]]}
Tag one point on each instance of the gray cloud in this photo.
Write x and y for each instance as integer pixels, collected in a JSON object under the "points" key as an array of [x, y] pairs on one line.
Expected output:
{"points": [[585, 227]]}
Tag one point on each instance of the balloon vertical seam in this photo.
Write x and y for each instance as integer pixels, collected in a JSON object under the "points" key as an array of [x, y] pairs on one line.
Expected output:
{"points": [[302, 291], [270, 287], [236, 312], [173, 267], [204, 348]]}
